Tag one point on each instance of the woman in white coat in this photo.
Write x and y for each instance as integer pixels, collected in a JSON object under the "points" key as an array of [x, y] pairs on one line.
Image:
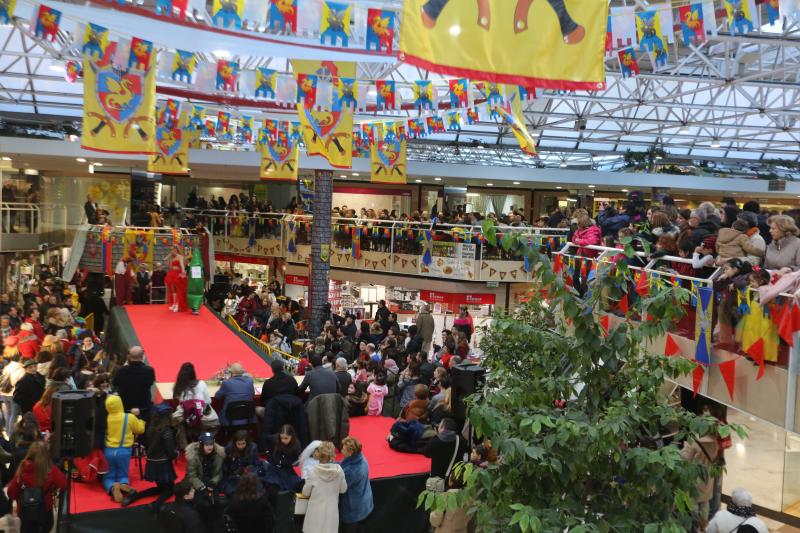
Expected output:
{"points": [[323, 486]]}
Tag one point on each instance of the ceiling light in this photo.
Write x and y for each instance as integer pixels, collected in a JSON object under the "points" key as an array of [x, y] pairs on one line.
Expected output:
{"points": [[624, 190], [684, 130], [58, 68], [80, 160], [591, 186], [455, 30], [6, 158], [715, 143], [223, 54], [355, 173], [563, 164], [558, 186], [343, 176], [490, 184], [98, 164], [418, 181], [437, 179], [659, 158], [516, 183]]}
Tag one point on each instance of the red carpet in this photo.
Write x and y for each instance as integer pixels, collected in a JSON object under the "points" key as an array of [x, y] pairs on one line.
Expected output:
{"points": [[370, 430], [170, 339]]}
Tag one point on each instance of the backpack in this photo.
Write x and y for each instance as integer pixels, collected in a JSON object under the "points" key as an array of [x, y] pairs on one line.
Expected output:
{"points": [[31, 504], [193, 413]]}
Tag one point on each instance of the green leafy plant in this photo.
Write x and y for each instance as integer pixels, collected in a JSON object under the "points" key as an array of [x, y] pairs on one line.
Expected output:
{"points": [[587, 438]]}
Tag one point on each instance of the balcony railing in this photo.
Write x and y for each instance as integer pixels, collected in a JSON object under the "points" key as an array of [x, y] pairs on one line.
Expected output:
{"points": [[26, 226], [414, 248], [773, 398]]}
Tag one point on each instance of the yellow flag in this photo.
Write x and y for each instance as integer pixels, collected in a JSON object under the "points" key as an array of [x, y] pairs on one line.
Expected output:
{"points": [[551, 44], [388, 160], [327, 133], [118, 107], [172, 148], [514, 118], [139, 248], [279, 160]]}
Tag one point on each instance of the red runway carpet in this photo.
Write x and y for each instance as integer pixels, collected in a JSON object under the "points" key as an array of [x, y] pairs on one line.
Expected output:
{"points": [[370, 430], [170, 339]]}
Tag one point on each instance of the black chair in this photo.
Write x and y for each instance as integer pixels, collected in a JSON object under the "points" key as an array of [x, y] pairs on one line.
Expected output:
{"points": [[240, 415]]}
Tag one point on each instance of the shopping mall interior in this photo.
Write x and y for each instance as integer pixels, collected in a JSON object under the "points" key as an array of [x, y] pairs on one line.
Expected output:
{"points": [[235, 232]]}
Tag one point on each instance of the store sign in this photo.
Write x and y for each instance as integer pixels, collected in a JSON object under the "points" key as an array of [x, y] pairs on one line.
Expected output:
{"points": [[291, 279], [450, 259], [457, 299], [247, 259]]}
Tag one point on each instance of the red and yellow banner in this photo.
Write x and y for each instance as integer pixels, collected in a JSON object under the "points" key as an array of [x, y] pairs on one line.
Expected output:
{"points": [[172, 147], [327, 133], [388, 160], [279, 160], [118, 106], [549, 44]]}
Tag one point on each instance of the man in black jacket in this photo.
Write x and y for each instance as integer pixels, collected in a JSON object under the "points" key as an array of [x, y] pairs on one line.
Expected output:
{"points": [[29, 388], [279, 383], [416, 342], [319, 380], [134, 383], [343, 376], [183, 509], [382, 315], [443, 446]]}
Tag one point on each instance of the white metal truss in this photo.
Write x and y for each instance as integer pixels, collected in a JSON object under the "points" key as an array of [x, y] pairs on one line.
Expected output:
{"points": [[731, 99]]}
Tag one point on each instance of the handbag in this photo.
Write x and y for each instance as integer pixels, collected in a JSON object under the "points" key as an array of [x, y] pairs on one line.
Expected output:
{"points": [[436, 483], [300, 504]]}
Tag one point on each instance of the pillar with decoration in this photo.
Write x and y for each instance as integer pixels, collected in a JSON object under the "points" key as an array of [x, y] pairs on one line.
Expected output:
{"points": [[320, 249]]}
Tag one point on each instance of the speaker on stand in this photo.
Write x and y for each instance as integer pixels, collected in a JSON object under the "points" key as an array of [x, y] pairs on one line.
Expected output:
{"points": [[465, 378], [72, 436], [95, 283]]}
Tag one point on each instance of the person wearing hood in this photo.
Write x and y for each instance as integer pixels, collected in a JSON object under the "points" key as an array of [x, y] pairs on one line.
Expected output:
{"points": [[356, 504], [28, 344], [739, 513], [322, 488], [120, 434], [703, 451]]}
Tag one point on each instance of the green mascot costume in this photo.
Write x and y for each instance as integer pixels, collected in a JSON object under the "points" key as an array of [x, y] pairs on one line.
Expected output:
{"points": [[197, 283]]}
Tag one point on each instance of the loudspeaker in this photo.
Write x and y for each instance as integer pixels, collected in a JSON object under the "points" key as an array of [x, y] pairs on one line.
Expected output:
{"points": [[466, 378], [73, 424], [95, 283]]}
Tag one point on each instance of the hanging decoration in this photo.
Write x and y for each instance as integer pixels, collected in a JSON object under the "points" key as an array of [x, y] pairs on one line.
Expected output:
{"points": [[47, 23], [95, 41], [227, 13], [671, 347], [697, 379], [335, 23], [246, 129], [423, 95], [702, 335], [282, 16], [279, 158], [458, 93], [172, 144], [172, 8], [651, 36], [484, 39], [385, 94], [388, 158], [265, 83], [307, 90], [118, 107], [227, 75], [692, 28], [628, 65], [183, 66], [141, 54], [513, 117], [728, 372], [380, 30], [7, 11], [106, 240], [740, 16]]}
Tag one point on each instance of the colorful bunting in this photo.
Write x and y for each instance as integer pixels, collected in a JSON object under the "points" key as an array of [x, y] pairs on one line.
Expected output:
{"points": [[282, 16], [459, 90], [380, 30], [692, 24], [423, 95], [740, 16], [703, 325], [279, 159], [227, 13], [141, 54], [7, 11], [265, 82], [95, 41], [335, 23], [47, 23], [628, 64], [728, 371], [388, 160], [671, 347], [385, 96], [183, 65], [697, 379], [227, 75], [307, 90]]}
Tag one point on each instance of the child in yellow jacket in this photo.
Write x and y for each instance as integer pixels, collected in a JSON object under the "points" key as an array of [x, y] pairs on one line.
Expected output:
{"points": [[120, 433]]}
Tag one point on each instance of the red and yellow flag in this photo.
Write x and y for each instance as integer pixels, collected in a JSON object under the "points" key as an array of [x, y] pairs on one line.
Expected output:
{"points": [[549, 44]]}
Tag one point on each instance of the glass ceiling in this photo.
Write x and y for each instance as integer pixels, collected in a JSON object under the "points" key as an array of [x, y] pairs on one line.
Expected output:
{"points": [[733, 101]]}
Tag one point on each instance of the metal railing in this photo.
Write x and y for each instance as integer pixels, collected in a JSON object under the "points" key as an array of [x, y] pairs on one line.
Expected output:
{"points": [[264, 346]]}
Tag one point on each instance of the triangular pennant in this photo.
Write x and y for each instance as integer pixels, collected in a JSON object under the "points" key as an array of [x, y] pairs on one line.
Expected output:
{"points": [[604, 323], [492, 272], [756, 351], [623, 304], [781, 315], [728, 371], [643, 284], [502, 275], [513, 274], [697, 379], [671, 347]]}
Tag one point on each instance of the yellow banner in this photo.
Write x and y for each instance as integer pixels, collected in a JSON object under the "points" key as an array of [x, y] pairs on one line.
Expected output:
{"points": [[512, 115], [279, 161], [118, 107], [562, 44], [388, 160], [172, 149], [327, 133], [139, 248]]}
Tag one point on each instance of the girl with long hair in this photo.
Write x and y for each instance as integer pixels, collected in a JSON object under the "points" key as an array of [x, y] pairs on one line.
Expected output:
{"points": [[33, 486], [175, 280], [249, 507], [193, 403], [241, 457], [285, 451]]}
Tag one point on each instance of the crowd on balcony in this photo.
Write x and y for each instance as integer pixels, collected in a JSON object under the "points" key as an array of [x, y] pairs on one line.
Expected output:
{"points": [[734, 248]]}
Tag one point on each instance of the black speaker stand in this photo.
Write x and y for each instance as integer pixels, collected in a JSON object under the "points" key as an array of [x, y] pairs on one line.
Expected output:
{"points": [[63, 517]]}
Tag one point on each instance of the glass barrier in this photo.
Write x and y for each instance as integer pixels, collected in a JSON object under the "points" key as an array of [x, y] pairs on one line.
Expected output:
{"points": [[17, 217]]}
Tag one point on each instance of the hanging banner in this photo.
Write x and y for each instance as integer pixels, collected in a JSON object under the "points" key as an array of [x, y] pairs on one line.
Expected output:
{"points": [[327, 133], [423, 95], [183, 64], [227, 75], [7, 11], [740, 16], [140, 56], [702, 335], [484, 40], [46, 23], [388, 160], [514, 118], [385, 97], [95, 41], [282, 16], [627, 63], [172, 146], [380, 30], [335, 23], [692, 24], [118, 107], [227, 13], [265, 82], [139, 248], [279, 160]]}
